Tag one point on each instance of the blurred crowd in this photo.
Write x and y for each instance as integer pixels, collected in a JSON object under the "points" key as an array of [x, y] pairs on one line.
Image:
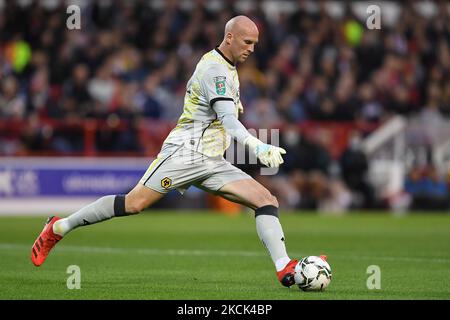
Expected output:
{"points": [[427, 189], [131, 60]]}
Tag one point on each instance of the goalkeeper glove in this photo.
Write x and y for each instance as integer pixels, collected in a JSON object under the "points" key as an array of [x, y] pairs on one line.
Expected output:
{"points": [[269, 155]]}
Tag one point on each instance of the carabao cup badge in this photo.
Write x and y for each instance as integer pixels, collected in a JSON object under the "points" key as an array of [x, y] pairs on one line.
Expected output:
{"points": [[220, 85]]}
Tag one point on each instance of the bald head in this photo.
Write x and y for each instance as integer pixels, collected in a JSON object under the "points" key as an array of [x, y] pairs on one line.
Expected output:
{"points": [[239, 25], [241, 35]]}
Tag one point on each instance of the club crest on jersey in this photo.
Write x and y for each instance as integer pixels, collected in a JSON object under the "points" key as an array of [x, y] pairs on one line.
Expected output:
{"points": [[166, 183], [220, 85]]}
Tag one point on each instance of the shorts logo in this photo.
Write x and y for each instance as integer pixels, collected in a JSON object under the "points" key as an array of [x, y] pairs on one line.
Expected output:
{"points": [[220, 85], [166, 183]]}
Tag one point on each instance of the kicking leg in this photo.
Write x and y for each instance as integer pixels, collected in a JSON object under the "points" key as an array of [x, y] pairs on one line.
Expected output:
{"points": [[103, 209], [252, 194]]}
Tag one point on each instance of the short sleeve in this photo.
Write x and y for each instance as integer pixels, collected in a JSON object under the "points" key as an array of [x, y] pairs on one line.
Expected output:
{"points": [[216, 84]]}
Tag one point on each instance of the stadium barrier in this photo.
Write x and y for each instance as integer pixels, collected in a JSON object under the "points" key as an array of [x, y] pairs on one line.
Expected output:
{"points": [[149, 135], [49, 181]]}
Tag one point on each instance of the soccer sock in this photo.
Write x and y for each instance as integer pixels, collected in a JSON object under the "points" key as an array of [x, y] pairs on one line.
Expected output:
{"points": [[271, 234], [103, 209]]}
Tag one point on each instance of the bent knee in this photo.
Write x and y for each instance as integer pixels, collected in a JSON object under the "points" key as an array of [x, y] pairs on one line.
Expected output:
{"points": [[267, 199], [275, 201]]}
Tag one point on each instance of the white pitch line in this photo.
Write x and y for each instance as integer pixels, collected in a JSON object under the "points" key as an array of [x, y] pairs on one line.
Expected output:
{"points": [[184, 252], [143, 251]]}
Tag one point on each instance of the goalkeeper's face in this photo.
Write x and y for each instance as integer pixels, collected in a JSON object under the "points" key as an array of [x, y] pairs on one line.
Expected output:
{"points": [[243, 44]]}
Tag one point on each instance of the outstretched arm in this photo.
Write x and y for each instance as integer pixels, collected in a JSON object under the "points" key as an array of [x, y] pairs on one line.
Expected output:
{"points": [[269, 155]]}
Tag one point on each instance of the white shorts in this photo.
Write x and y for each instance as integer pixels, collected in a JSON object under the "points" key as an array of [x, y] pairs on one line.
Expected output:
{"points": [[177, 167]]}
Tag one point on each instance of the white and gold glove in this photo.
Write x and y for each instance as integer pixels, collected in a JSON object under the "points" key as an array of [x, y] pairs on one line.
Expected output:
{"points": [[269, 155]]}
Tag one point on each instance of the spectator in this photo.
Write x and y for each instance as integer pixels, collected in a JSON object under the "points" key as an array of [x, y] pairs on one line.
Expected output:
{"points": [[12, 102], [354, 170], [148, 103], [428, 189]]}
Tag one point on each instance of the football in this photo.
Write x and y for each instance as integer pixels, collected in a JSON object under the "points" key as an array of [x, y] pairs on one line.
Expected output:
{"points": [[312, 273]]}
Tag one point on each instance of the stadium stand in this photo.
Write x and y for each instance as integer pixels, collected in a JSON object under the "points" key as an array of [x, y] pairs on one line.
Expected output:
{"points": [[115, 88]]}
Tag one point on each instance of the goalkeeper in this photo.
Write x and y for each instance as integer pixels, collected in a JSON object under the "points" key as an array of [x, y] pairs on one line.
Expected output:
{"points": [[192, 154]]}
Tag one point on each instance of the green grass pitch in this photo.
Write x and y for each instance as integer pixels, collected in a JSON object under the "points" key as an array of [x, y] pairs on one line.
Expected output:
{"points": [[204, 255]]}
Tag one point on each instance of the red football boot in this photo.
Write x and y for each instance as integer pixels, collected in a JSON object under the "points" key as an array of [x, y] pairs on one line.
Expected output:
{"points": [[45, 242], [324, 257], [286, 276]]}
